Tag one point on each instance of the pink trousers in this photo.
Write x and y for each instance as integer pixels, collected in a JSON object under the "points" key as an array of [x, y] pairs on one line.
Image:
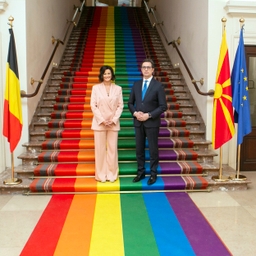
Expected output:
{"points": [[106, 156]]}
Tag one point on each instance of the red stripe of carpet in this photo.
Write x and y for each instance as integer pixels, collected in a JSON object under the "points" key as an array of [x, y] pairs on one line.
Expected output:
{"points": [[48, 228]]}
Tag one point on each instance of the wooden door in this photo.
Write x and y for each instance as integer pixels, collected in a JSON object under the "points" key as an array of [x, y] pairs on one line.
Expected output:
{"points": [[248, 147]]}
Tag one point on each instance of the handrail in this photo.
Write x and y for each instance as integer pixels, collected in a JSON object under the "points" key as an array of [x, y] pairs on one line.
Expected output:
{"points": [[194, 82], [78, 9]]}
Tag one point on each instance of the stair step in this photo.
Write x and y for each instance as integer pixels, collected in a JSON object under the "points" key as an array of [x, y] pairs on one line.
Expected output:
{"points": [[36, 146], [39, 135], [87, 156], [51, 96], [52, 150], [179, 168], [122, 184]]}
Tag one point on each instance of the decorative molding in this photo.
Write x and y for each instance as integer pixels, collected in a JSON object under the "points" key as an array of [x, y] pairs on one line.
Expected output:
{"points": [[3, 5], [240, 7]]}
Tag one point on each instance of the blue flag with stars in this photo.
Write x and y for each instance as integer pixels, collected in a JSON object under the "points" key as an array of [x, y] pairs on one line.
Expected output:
{"points": [[241, 102]]}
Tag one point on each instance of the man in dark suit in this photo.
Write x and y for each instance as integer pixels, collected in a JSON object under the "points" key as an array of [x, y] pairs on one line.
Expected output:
{"points": [[147, 102]]}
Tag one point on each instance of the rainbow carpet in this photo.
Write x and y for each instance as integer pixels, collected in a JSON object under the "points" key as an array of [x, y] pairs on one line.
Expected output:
{"points": [[147, 224], [110, 36]]}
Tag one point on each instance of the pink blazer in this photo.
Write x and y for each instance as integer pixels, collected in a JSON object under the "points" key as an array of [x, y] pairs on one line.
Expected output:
{"points": [[106, 107]]}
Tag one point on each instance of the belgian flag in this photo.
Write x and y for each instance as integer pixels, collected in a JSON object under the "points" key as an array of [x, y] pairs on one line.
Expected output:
{"points": [[12, 118]]}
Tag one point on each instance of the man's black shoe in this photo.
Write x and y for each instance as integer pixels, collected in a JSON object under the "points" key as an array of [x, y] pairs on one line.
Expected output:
{"points": [[139, 177], [152, 179]]}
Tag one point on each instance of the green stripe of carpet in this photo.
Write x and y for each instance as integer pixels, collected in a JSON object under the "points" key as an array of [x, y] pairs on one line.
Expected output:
{"points": [[126, 123], [127, 168], [124, 143], [135, 225], [126, 133]]}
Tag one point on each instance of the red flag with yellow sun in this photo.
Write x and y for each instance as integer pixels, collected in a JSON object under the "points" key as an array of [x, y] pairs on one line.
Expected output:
{"points": [[223, 119]]}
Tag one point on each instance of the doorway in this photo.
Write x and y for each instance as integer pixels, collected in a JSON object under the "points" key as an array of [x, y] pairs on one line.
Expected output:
{"points": [[248, 147], [114, 3]]}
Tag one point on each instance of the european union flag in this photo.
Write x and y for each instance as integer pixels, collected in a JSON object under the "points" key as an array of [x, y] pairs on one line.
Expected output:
{"points": [[241, 103]]}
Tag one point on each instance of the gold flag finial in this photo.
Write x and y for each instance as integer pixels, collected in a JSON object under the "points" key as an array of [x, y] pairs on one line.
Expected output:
{"points": [[11, 19], [223, 20], [241, 20]]}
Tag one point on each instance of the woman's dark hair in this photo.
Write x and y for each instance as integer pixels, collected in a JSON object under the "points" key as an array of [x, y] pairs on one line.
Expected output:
{"points": [[102, 71], [148, 60]]}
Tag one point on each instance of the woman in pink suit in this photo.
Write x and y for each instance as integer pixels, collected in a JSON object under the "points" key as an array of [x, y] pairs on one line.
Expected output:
{"points": [[107, 106]]}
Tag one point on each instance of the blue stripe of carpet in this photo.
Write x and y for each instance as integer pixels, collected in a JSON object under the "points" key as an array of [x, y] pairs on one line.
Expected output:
{"points": [[147, 167], [158, 185], [169, 235]]}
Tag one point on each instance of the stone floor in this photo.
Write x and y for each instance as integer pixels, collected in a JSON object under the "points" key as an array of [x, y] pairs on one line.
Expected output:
{"points": [[231, 212]]}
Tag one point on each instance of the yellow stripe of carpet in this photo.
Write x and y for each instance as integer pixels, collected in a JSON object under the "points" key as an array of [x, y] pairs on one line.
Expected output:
{"points": [[76, 233], [108, 186], [107, 234], [109, 62]]}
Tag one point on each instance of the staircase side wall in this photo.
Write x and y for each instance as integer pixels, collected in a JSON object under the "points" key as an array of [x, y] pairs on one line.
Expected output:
{"points": [[35, 22], [16, 9]]}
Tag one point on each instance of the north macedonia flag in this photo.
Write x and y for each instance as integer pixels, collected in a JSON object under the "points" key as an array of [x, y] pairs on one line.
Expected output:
{"points": [[223, 119]]}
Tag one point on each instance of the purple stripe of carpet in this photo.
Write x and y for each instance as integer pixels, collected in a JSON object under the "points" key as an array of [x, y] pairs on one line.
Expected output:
{"points": [[164, 123], [173, 183], [172, 167], [165, 143], [182, 167], [167, 155], [164, 133], [201, 235]]}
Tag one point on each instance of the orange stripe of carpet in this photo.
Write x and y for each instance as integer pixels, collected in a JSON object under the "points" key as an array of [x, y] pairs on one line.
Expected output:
{"points": [[86, 124], [87, 115], [86, 134], [91, 185], [85, 169], [85, 184], [92, 79], [76, 233], [86, 144], [86, 156]]}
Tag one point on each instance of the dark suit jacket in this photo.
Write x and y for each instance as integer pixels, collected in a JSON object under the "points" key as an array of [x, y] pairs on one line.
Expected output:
{"points": [[153, 102]]}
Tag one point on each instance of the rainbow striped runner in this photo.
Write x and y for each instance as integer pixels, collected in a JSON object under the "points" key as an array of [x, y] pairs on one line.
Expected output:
{"points": [[113, 39], [128, 224]]}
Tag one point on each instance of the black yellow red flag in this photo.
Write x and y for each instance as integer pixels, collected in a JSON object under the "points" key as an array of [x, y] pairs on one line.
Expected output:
{"points": [[12, 116]]}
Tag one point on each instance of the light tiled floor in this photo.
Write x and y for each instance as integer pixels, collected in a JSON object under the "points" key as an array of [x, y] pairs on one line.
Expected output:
{"points": [[231, 213], [233, 216]]}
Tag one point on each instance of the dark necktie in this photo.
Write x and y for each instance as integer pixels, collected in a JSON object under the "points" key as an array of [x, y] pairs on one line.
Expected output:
{"points": [[144, 89]]}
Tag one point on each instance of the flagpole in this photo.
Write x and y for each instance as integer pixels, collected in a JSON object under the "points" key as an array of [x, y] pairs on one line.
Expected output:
{"points": [[12, 181], [217, 95], [239, 177], [220, 177]]}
